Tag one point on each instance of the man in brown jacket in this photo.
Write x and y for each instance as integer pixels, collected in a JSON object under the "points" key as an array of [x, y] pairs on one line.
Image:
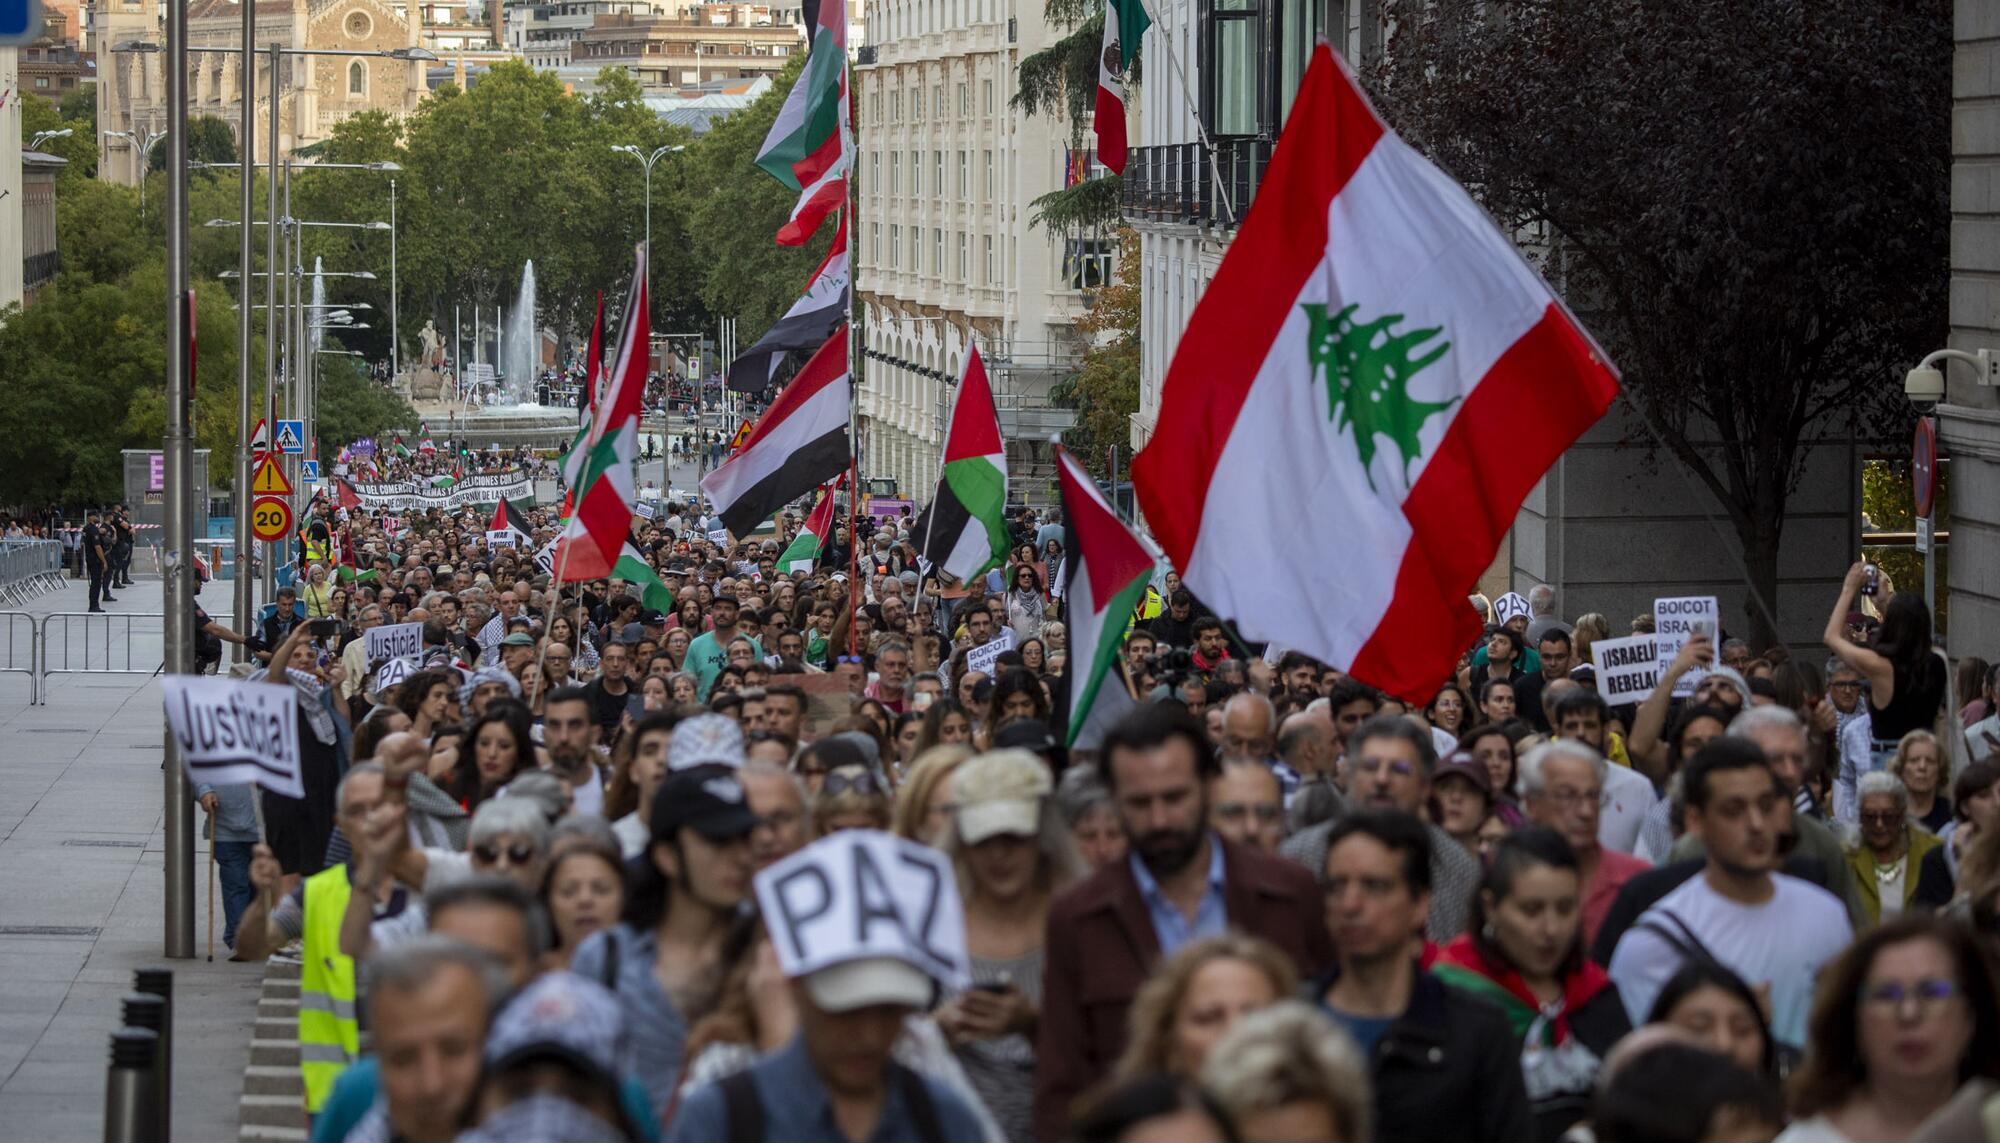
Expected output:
{"points": [[1180, 881]]}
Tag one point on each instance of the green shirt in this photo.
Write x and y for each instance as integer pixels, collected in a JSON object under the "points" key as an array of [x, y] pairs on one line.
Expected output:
{"points": [[706, 658]]}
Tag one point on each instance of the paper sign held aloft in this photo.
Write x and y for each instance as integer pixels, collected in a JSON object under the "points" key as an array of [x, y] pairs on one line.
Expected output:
{"points": [[394, 672], [1674, 620], [1627, 669], [982, 657], [859, 894], [232, 731], [393, 641]]}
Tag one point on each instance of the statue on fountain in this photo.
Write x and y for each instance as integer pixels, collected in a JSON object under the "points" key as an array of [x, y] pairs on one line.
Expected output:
{"points": [[428, 382]]}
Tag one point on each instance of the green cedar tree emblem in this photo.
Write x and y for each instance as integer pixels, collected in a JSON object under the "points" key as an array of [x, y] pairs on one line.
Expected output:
{"points": [[1368, 370]]}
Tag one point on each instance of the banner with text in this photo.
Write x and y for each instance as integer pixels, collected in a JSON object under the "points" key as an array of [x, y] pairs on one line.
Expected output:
{"points": [[1676, 619], [859, 894], [1627, 669], [487, 488]]}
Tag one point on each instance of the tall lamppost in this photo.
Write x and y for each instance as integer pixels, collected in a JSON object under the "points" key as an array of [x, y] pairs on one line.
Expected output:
{"points": [[647, 160], [141, 142], [40, 137]]}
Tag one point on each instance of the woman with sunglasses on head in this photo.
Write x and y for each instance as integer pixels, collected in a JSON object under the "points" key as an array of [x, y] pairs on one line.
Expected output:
{"points": [[851, 797], [1901, 1020]]}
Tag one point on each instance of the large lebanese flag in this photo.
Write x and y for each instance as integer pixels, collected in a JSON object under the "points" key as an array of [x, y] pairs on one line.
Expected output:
{"points": [[799, 443], [1364, 396]]}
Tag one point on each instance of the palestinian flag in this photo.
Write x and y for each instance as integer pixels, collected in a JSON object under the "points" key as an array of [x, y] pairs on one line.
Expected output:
{"points": [[444, 479], [508, 527], [649, 587], [965, 526], [348, 498], [1104, 579], [601, 469], [803, 553], [807, 147], [1125, 22], [1375, 379], [799, 443], [805, 326], [346, 571], [399, 449]]}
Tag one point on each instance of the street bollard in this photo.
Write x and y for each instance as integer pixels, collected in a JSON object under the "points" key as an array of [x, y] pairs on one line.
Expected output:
{"points": [[160, 982], [145, 1010], [129, 1113]]}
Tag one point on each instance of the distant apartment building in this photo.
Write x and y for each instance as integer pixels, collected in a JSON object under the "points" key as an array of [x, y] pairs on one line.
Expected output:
{"points": [[698, 44]]}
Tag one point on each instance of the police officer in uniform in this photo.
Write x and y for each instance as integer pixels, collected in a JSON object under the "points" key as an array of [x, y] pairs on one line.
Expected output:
{"points": [[97, 559]]}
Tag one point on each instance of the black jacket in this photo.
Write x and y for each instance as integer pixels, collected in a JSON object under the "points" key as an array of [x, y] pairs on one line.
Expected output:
{"points": [[1447, 1071]]}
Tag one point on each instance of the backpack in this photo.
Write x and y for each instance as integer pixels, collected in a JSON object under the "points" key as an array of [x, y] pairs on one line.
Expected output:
{"points": [[745, 1112]]}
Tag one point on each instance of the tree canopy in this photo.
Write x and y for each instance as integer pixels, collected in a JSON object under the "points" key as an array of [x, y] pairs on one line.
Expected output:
{"points": [[1746, 200]]}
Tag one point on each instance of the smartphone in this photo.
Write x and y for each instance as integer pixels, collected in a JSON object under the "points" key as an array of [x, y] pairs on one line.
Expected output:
{"points": [[322, 628], [993, 986], [1871, 579]]}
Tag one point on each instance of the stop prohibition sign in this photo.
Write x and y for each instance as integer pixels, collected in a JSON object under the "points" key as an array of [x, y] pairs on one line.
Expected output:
{"points": [[1923, 466], [270, 518]]}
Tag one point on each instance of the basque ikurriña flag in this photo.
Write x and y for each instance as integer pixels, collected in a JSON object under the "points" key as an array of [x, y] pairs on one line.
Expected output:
{"points": [[1365, 394]]}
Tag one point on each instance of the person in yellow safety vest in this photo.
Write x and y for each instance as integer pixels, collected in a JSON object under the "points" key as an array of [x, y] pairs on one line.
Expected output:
{"points": [[329, 1036], [1148, 606]]}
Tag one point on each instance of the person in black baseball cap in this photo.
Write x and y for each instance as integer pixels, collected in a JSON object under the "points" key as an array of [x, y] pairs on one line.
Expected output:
{"points": [[665, 958]]}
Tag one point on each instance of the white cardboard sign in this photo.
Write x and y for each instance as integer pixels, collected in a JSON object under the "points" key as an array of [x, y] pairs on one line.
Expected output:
{"points": [[233, 732], [1627, 669], [395, 671], [863, 893], [1673, 621], [981, 658], [393, 641]]}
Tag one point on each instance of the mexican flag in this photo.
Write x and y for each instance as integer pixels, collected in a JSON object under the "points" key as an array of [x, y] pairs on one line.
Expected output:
{"points": [[1362, 399], [807, 147], [634, 570], [601, 469], [804, 550], [1125, 22], [1104, 580], [965, 525]]}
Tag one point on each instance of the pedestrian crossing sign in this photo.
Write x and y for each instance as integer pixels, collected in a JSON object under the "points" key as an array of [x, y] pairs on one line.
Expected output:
{"points": [[292, 437], [270, 480], [309, 471]]}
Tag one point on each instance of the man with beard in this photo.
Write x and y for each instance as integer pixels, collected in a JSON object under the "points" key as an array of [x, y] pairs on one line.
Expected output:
{"points": [[569, 733], [1179, 882]]}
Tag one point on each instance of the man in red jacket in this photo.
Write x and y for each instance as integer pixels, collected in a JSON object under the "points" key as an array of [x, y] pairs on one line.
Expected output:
{"points": [[1178, 882]]}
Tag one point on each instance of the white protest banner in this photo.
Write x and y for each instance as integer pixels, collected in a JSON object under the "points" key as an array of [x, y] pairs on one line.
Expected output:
{"points": [[504, 538], [395, 671], [719, 536], [861, 893], [233, 731], [981, 658], [1676, 619], [1627, 669], [393, 641], [644, 508], [545, 558]]}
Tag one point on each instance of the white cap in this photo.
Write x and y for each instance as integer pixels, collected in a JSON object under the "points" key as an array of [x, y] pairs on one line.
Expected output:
{"points": [[868, 982]]}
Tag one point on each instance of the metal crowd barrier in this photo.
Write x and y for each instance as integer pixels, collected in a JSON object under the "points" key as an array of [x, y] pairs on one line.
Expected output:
{"points": [[79, 643], [21, 639], [29, 568]]}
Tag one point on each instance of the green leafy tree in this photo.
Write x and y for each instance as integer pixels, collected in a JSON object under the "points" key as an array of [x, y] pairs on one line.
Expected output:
{"points": [[210, 140], [1725, 239], [79, 147], [352, 405], [99, 233], [1105, 390]]}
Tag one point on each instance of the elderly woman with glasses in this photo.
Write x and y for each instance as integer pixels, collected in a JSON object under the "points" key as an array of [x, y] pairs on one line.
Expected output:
{"points": [[1891, 849], [851, 797]]}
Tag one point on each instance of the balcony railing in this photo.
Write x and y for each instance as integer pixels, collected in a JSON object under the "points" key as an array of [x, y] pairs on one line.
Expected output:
{"points": [[1176, 183]]}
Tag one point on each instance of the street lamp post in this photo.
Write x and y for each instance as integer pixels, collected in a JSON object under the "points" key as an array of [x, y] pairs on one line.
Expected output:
{"points": [[143, 143], [40, 137], [178, 605], [647, 160]]}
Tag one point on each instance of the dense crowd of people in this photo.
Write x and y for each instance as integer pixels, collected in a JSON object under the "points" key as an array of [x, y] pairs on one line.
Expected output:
{"points": [[1274, 904]]}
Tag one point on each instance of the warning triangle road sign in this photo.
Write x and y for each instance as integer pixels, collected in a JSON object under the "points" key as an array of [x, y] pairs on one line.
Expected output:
{"points": [[270, 480], [260, 438], [742, 434]]}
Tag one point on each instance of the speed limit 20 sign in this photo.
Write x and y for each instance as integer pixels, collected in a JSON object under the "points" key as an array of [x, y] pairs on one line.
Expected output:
{"points": [[270, 518]]}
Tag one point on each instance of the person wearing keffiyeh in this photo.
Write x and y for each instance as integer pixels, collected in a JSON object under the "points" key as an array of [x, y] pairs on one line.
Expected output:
{"points": [[298, 829]]}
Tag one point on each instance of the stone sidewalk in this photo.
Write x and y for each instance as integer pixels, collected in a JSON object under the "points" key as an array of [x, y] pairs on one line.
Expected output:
{"points": [[81, 897]]}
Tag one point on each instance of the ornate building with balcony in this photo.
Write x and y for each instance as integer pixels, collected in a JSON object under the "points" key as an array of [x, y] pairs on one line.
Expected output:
{"points": [[943, 252], [697, 44], [316, 91]]}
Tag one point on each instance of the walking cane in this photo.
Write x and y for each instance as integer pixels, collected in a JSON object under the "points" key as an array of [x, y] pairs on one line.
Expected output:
{"points": [[211, 888]]}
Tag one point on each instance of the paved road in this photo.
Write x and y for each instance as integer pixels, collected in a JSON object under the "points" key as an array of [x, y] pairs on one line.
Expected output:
{"points": [[81, 858]]}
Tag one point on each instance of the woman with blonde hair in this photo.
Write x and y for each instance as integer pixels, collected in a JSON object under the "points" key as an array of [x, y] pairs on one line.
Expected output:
{"points": [[1288, 1072], [1589, 628], [1196, 997], [923, 801], [1926, 775], [850, 797], [1012, 853]]}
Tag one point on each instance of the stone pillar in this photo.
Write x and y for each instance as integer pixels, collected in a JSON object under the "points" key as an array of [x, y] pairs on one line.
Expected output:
{"points": [[1969, 420]]}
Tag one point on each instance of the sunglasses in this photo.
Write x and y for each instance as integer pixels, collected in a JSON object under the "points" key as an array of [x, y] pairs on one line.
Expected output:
{"points": [[863, 783], [855, 659], [520, 853]]}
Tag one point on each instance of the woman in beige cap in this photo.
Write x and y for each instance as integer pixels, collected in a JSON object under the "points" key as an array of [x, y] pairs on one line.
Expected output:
{"points": [[1013, 854]]}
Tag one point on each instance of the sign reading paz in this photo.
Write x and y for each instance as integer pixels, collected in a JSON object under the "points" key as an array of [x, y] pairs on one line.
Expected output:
{"points": [[1627, 669], [231, 732], [1674, 620], [860, 894]]}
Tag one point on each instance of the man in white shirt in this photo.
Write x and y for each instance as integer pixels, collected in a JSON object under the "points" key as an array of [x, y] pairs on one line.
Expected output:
{"points": [[1580, 715], [1773, 930]]}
